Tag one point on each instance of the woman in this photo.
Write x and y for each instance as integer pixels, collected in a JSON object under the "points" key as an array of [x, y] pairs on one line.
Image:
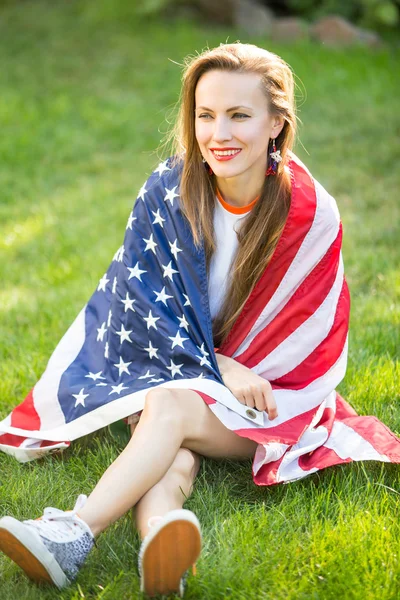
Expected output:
{"points": [[266, 239]]}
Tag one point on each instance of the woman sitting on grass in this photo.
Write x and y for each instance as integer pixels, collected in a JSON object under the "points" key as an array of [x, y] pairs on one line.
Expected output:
{"points": [[242, 249]]}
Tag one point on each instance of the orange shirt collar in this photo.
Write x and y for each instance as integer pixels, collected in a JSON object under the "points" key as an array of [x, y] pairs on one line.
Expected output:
{"points": [[236, 210]]}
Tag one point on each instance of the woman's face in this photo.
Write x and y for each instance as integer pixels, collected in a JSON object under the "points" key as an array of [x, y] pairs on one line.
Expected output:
{"points": [[233, 124]]}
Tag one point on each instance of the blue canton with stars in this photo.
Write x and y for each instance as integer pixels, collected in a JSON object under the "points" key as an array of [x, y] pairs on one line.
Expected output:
{"points": [[148, 322]]}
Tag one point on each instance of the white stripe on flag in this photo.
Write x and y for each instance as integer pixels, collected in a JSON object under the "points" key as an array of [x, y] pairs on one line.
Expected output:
{"points": [[291, 403], [231, 419], [347, 443], [45, 392], [267, 453], [127, 405]]}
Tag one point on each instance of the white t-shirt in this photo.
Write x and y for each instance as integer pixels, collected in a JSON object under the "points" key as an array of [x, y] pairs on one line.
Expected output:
{"points": [[227, 220]]}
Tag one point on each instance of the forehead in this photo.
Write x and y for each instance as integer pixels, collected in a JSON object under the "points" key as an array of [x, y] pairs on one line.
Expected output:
{"points": [[220, 90]]}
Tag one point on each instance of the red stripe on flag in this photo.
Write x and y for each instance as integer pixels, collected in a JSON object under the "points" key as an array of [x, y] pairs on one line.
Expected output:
{"points": [[320, 459], [24, 416], [301, 306], [207, 399], [267, 474], [301, 215], [343, 408], [46, 443], [325, 355], [9, 439], [288, 432]]}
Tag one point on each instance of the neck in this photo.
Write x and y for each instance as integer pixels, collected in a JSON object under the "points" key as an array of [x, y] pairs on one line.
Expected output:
{"points": [[241, 190]]}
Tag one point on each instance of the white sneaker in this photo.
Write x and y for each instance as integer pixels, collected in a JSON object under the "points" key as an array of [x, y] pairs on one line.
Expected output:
{"points": [[51, 549], [169, 549]]}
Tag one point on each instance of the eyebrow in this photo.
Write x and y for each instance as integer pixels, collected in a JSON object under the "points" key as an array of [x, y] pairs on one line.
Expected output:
{"points": [[227, 110]]}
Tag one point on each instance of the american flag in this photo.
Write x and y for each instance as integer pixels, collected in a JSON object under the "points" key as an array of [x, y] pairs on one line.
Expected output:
{"points": [[148, 324]]}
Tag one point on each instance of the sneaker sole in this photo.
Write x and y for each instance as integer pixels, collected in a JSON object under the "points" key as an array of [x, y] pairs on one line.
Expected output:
{"points": [[29, 553], [170, 552]]}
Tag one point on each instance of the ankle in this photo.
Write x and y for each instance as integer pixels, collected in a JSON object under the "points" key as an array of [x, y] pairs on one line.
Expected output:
{"points": [[94, 528]]}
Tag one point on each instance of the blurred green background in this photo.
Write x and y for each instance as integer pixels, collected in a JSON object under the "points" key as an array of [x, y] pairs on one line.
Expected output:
{"points": [[88, 91]]}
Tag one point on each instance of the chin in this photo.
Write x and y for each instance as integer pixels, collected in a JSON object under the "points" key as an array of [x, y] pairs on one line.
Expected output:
{"points": [[227, 173]]}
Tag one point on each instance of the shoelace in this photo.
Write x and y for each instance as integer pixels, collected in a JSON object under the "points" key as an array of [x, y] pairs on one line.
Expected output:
{"points": [[66, 520]]}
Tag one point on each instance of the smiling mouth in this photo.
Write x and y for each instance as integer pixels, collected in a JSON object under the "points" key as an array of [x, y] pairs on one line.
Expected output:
{"points": [[220, 153]]}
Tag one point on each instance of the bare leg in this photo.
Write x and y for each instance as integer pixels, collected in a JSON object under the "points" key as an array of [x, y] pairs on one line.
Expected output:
{"points": [[170, 420], [171, 492]]}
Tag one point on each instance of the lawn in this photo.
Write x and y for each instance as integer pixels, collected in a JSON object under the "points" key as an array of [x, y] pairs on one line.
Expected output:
{"points": [[83, 106]]}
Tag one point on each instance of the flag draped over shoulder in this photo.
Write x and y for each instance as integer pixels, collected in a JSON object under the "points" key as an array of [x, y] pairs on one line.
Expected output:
{"points": [[148, 324]]}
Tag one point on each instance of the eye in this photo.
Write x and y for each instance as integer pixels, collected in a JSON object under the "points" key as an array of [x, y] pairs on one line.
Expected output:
{"points": [[204, 115], [240, 116]]}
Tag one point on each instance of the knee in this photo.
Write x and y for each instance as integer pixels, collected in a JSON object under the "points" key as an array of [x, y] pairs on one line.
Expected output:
{"points": [[161, 404], [186, 464]]}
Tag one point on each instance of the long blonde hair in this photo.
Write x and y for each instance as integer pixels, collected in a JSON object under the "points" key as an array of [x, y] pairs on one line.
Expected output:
{"points": [[261, 228]]}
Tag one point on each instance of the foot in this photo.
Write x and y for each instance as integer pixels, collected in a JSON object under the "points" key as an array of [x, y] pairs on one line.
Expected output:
{"points": [[51, 549], [170, 548]]}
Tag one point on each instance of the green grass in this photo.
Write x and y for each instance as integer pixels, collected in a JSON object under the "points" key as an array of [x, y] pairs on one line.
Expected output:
{"points": [[81, 104]]}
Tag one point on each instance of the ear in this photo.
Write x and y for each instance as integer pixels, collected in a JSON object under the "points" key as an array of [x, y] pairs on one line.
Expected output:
{"points": [[277, 125]]}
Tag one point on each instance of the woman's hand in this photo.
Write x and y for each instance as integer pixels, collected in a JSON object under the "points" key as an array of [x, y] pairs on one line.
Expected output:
{"points": [[250, 389]]}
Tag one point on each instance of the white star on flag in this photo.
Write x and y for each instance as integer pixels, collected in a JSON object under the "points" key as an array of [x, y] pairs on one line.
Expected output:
{"points": [[175, 249], [101, 332], [95, 376], [80, 398], [101, 384], [158, 218], [136, 271], [171, 195], [102, 283], [177, 340], [131, 218], [114, 287], [155, 380], [122, 366], [128, 303], [109, 318], [147, 375], [123, 334], [152, 350], [151, 321], [106, 350], [187, 303], [204, 361], [202, 350], [175, 368], [169, 271], [162, 296], [119, 255], [150, 244], [117, 389], [183, 322], [162, 167], [142, 192]]}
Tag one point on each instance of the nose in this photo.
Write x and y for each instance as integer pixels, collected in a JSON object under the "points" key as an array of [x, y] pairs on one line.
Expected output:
{"points": [[222, 130]]}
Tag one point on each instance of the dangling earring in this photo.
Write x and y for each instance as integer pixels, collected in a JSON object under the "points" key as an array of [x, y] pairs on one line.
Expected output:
{"points": [[209, 169], [275, 159]]}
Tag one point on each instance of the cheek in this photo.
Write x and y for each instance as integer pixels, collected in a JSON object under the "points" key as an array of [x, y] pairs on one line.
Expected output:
{"points": [[255, 135], [201, 132]]}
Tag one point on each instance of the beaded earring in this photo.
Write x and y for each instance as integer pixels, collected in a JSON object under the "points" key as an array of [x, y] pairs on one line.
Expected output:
{"points": [[207, 166], [275, 159]]}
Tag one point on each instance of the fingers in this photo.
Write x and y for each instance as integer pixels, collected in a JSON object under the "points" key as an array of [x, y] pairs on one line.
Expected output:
{"points": [[258, 396], [245, 396], [270, 403]]}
